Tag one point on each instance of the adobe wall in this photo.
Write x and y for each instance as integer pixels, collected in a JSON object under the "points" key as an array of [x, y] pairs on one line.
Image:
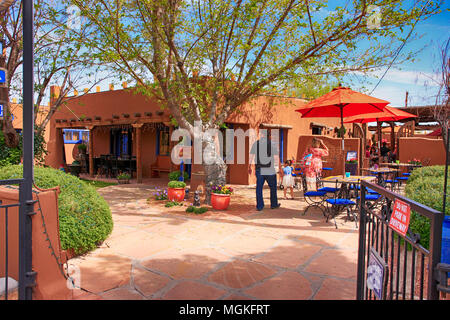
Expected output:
{"points": [[335, 158], [51, 284], [422, 148]]}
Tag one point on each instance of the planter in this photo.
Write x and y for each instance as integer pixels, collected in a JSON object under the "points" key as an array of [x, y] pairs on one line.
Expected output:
{"points": [[123, 181], [176, 194], [220, 201]]}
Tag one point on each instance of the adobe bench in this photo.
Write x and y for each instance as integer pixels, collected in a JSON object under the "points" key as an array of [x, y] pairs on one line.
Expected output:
{"points": [[162, 164]]}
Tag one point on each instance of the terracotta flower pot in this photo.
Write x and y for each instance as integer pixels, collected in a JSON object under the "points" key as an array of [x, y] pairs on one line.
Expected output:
{"points": [[220, 201], [175, 194]]}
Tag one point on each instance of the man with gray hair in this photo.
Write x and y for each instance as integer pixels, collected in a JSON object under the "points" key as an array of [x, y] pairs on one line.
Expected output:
{"points": [[263, 154]]}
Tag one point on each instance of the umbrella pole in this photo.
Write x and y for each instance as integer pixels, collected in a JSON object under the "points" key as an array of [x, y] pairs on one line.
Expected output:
{"points": [[343, 142]]}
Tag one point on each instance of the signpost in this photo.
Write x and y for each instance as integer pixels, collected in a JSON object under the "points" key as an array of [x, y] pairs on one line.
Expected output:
{"points": [[3, 75]]}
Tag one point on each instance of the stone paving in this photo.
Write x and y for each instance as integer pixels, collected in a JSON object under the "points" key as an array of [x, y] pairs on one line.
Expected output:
{"points": [[165, 253]]}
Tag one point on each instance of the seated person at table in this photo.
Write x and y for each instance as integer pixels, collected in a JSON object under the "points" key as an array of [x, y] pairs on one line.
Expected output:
{"points": [[384, 150], [288, 179], [312, 162], [373, 155]]}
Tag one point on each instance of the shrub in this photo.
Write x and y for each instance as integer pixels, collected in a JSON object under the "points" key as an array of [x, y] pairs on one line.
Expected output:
{"points": [[176, 184], [85, 219], [170, 204], [82, 146], [426, 186], [175, 175], [192, 209]]}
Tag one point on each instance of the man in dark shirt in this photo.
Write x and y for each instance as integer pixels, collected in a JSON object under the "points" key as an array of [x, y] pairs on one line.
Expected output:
{"points": [[384, 150], [264, 151]]}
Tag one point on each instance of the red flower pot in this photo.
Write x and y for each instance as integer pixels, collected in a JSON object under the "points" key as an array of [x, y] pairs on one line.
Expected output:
{"points": [[220, 201], [175, 194]]}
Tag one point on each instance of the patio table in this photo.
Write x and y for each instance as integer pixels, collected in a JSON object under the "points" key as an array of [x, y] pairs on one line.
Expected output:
{"points": [[344, 195], [380, 172]]}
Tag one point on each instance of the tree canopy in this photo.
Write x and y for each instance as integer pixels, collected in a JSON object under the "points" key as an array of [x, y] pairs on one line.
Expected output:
{"points": [[204, 58]]}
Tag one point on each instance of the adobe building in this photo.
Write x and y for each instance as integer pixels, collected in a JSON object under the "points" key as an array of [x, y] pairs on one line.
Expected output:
{"points": [[120, 122]]}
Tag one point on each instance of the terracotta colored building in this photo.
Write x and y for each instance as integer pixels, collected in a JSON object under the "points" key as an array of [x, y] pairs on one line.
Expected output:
{"points": [[120, 122]]}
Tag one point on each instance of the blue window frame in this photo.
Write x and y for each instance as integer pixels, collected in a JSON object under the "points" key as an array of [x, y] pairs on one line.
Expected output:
{"points": [[75, 136]]}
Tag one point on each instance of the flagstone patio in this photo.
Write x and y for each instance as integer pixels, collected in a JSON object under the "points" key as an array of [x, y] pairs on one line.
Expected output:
{"points": [[165, 253]]}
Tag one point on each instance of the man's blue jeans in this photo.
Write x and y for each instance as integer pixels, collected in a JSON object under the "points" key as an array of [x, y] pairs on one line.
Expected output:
{"points": [[272, 182]]}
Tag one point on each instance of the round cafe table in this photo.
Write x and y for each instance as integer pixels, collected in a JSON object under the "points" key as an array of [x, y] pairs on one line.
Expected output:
{"points": [[380, 172]]}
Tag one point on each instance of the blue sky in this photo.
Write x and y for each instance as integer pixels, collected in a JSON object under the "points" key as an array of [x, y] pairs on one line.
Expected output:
{"points": [[415, 77]]}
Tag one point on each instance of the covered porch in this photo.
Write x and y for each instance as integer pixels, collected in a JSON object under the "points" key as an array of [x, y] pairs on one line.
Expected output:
{"points": [[138, 147]]}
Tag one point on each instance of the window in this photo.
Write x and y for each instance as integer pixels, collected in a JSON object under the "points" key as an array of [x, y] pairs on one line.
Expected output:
{"points": [[317, 130], [74, 136], [163, 142]]}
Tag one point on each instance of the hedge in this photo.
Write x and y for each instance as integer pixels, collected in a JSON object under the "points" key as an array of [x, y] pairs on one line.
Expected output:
{"points": [[426, 186], [85, 219]]}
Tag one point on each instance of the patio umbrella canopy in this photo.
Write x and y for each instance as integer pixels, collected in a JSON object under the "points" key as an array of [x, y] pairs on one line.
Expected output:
{"points": [[389, 114], [342, 102]]}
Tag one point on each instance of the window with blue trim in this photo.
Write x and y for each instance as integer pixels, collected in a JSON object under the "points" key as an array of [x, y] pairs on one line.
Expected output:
{"points": [[74, 136]]}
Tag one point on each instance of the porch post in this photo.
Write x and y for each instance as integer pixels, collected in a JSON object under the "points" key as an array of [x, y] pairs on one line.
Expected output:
{"points": [[138, 127], [91, 150], [392, 124]]}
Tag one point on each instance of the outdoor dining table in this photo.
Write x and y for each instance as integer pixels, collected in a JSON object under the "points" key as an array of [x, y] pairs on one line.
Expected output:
{"points": [[346, 182], [380, 172]]}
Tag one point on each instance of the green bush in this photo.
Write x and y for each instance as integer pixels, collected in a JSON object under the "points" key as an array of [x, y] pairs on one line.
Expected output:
{"points": [[192, 209], [175, 175], [176, 184], [85, 219], [426, 186], [170, 204]]}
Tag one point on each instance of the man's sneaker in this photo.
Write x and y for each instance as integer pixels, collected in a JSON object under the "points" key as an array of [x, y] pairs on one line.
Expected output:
{"points": [[276, 207]]}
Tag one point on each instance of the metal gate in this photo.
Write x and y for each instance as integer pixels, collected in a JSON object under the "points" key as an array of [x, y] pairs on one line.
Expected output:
{"points": [[26, 275], [392, 266]]}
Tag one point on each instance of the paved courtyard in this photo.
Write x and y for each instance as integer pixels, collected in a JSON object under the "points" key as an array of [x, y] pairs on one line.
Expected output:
{"points": [[165, 253]]}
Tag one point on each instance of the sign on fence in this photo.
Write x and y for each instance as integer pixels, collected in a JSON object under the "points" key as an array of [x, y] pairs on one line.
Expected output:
{"points": [[376, 274], [400, 217]]}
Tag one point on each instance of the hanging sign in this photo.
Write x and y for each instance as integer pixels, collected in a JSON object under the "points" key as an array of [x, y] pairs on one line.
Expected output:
{"points": [[377, 270], [3, 75], [1, 110], [400, 217]]}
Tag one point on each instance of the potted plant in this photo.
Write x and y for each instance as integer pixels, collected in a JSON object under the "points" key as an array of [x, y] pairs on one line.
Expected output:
{"points": [[415, 162], [82, 148], [220, 197], [175, 175], [176, 191], [123, 178]]}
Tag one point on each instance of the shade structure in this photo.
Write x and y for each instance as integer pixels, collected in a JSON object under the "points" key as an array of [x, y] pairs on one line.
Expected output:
{"points": [[342, 102], [389, 114]]}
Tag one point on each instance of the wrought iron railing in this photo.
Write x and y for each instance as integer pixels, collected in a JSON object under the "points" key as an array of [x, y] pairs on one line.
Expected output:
{"points": [[410, 268]]}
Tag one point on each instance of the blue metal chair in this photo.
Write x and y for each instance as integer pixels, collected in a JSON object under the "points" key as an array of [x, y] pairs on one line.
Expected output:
{"points": [[339, 203], [314, 199]]}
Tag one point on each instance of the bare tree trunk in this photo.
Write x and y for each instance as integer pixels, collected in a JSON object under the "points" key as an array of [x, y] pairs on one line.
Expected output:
{"points": [[215, 166]]}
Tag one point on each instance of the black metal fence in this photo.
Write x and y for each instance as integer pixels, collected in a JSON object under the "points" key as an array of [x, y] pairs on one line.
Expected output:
{"points": [[25, 273], [408, 270]]}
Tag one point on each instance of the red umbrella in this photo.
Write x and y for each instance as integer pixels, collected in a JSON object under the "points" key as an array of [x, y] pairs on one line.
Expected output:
{"points": [[342, 102], [389, 114]]}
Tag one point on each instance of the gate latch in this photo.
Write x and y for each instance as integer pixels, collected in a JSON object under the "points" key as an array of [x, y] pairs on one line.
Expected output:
{"points": [[443, 269]]}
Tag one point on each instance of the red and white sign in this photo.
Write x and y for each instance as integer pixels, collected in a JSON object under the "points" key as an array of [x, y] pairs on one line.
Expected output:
{"points": [[400, 217]]}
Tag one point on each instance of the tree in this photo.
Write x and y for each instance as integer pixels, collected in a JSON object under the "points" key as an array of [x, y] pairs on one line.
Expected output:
{"points": [[441, 109], [203, 59], [56, 60]]}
